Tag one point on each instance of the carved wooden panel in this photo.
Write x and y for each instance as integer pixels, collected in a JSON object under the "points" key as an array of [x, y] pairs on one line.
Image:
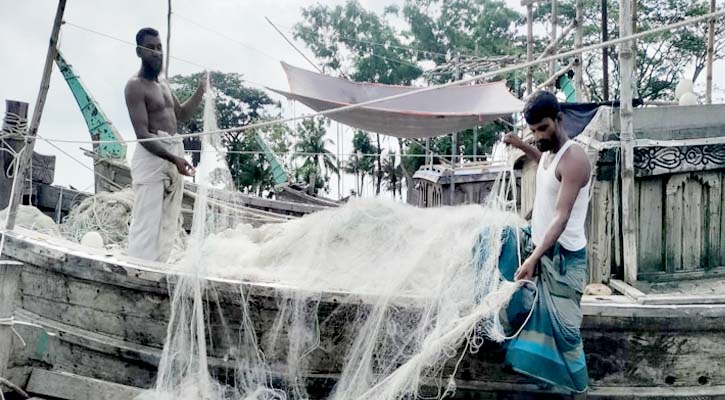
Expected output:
{"points": [[692, 221]]}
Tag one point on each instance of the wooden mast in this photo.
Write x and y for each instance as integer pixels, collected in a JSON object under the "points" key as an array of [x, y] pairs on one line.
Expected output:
{"points": [[27, 154], [710, 55], [168, 41], [629, 233]]}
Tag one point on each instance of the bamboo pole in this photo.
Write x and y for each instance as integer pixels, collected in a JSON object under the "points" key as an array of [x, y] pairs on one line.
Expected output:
{"points": [[710, 53], [454, 138], [578, 43], [27, 154], [529, 47], [550, 48], [552, 79], [168, 41], [605, 53], [629, 232], [554, 23]]}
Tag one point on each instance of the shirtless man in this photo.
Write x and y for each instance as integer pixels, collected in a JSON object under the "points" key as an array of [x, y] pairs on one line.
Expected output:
{"points": [[157, 166]]}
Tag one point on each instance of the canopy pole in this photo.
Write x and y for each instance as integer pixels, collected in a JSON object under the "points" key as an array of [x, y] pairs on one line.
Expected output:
{"points": [[27, 152], [554, 21], [530, 47], [168, 41], [454, 139], [579, 68], [605, 53], [629, 233], [710, 53]]}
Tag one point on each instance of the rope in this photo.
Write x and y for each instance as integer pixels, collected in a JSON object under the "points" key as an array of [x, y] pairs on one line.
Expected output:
{"points": [[13, 387], [14, 127], [505, 70], [11, 322]]}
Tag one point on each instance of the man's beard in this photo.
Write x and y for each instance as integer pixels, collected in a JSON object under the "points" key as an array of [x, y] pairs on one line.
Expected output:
{"points": [[152, 69], [544, 145]]}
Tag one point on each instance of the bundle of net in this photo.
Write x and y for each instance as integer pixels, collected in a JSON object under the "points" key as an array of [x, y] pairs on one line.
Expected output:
{"points": [[372, 300], [107, 213]]}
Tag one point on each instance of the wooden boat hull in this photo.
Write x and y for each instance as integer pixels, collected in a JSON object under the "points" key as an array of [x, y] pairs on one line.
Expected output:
{"points": [[111, 315]]}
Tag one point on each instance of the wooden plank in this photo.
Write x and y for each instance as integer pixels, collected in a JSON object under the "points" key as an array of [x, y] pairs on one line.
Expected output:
{"points": [[634, 392], [629, 223], [9, 278], [673, 222], [63, 385], [668, 299], [650, 233], [49, 195], [626, 289], [713, 220], [43, 170], [600, 232], [692, 225], [722, 223]]}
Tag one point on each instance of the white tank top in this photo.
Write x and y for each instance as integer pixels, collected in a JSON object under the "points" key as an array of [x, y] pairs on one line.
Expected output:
{"points": [[547, 192]]}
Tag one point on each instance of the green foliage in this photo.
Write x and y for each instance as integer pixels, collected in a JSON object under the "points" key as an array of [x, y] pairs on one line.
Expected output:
{"points": [[662, 59], [236, 105], [392, 174], [361, 163], [347, 32], [317, 160]]}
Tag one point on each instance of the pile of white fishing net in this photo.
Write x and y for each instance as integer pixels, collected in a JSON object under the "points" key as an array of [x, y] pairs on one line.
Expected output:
{"points": [[390, 292]]}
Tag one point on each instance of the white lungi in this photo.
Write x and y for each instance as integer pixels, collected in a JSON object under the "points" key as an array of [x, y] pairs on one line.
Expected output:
{"points": [[158, 190]]}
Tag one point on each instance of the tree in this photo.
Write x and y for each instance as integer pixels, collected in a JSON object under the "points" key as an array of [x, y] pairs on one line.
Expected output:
{"points": [[393, 174], [361, 163], [310, 148], [352, 32], [236, 105], [662, 59]]}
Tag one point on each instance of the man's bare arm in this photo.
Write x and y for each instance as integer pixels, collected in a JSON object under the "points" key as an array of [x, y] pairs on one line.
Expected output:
{"points": [[187, 110], [140, 120], [531, 151]]}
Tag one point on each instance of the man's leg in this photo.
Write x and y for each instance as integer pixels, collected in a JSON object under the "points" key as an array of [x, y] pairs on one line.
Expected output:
{"points": [[145, 229], [173, 195]]}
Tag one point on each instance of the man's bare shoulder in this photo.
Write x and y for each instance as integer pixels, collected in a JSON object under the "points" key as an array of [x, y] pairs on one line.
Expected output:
{"points": [[135, 85], [576, 164]]}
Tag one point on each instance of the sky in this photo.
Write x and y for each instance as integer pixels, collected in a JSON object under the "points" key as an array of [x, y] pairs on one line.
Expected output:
{"points": [[105, 64]]}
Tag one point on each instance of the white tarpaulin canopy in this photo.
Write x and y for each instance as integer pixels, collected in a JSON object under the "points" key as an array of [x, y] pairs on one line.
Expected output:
{"points": [[419, 115]]}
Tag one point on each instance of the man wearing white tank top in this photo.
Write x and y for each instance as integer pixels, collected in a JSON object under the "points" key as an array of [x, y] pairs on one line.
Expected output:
{"points": [[549, 346], [562, 181]]}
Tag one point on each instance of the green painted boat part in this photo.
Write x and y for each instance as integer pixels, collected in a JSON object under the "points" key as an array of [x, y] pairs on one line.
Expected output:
{"points": [[99, 126]]}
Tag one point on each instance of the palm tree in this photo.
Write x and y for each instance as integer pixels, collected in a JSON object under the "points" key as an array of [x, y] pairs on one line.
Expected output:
{"points": [[310, 147], [393, 175]]}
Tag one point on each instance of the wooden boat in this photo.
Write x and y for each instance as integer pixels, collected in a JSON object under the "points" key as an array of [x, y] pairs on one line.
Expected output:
{"points": [[660, 336], [104, 317], [109, 316]]}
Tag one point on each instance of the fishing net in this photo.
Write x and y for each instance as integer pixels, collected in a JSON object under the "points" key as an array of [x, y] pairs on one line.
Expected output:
{"points": [[378, 299], [29, 217], [107, 213]]}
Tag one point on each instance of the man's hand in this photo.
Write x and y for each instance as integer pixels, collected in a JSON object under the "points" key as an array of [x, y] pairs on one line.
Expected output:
{"points": [[513, 139], [526, 270], [184, 167], [202, 82]]}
